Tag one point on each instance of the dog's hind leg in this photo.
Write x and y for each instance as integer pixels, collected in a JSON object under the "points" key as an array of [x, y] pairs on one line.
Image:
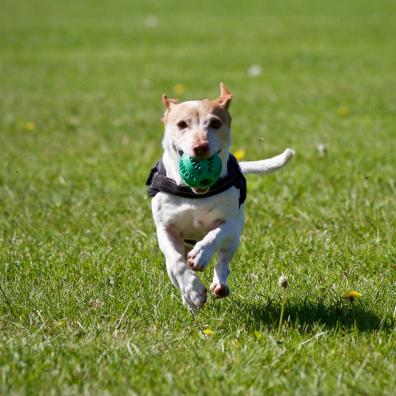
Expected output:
{"points": [[192, 290], [219, 285]]}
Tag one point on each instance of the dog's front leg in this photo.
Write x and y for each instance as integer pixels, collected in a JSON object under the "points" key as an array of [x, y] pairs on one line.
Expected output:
{"points": [[192, 290], [220, 237]]}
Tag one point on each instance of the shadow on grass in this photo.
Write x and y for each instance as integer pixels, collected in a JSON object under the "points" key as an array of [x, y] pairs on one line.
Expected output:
{"points": [[306, 315]]}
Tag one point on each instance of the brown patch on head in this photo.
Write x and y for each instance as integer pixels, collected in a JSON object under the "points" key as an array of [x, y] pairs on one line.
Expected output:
{"points": [[222, 113], [218, 107], [196, 111], [193, 123]]}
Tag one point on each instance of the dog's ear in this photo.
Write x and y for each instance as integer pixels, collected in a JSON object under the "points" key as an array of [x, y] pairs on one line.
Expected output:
{"points": [[225, 97], [168, 102]]}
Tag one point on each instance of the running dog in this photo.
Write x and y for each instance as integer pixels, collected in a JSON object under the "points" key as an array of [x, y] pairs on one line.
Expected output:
{"points": [[194, 223]]}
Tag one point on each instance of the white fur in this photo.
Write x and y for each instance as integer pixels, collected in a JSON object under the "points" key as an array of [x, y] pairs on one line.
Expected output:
{"points": [[267, 165], [216, 222]]}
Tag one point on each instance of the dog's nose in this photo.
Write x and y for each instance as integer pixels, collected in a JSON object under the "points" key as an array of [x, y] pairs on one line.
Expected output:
{"points": [[201, 149]]}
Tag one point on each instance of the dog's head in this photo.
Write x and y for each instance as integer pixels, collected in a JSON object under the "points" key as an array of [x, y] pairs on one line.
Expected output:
{"points": [[199, 128]]}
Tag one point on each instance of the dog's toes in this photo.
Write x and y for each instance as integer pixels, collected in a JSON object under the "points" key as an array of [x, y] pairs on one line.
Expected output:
{"points": [[199, 257], [220, 290], [193, 263]]}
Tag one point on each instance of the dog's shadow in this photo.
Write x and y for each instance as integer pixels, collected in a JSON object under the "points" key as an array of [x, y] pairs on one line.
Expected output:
{"points": [[307, 315]]}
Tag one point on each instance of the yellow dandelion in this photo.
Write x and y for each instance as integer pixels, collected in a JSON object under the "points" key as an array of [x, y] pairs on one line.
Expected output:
{"points": [[351, 295], [179, 89], [343, 111], [239, 154], [208, 332], [29, 126]]}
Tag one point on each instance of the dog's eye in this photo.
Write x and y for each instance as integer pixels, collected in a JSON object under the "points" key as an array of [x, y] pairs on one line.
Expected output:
{"points": [[215, 123], [182, 125]]}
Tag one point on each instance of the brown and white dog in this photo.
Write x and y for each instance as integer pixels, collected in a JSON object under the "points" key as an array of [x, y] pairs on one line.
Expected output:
{"points": [[201, 128]]}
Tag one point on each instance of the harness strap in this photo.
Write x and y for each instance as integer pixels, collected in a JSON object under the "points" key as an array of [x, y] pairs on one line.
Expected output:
{"points": [[158, 181]]}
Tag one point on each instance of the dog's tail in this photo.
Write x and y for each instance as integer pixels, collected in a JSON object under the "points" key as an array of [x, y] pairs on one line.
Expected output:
{"points": [[267, 165]]}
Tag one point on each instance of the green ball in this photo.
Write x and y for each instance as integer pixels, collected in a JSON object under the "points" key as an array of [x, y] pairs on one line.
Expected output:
{"points": [[200, 173]]}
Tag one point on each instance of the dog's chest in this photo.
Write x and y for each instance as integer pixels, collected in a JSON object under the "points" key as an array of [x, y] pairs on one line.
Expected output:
{"points": [[193, 218]]}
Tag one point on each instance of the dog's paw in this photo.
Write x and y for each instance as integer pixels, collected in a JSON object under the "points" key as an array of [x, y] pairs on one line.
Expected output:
{"points": [[194, 294], [219, 290], [199, 257]]}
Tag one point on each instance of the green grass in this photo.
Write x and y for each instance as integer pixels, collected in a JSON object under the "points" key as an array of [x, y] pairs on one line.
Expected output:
{"points": [[85, 303]]}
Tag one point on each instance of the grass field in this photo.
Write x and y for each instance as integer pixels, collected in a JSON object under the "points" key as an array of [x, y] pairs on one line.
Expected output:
{"points": [[85, 303]]}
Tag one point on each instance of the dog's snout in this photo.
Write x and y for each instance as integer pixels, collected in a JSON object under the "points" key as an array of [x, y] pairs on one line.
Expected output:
{"points": [[201, 149]]}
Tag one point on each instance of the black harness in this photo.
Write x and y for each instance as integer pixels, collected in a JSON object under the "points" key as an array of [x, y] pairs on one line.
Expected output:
{"points": [[157, 181]]}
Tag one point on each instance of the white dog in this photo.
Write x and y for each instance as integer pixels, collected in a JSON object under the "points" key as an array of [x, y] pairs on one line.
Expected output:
{"points": [[191, 223]]}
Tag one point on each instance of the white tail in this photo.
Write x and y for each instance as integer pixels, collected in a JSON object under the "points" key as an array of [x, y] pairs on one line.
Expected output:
{"points": [[267, 165]]}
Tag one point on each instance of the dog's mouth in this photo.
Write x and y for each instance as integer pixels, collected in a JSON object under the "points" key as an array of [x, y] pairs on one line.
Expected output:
{"points": [[196, 190], [181, 152], [200, 190]]}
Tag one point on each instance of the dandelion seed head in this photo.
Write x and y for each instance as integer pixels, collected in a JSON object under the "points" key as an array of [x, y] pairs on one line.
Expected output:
{"points": [[254, 70], [322, 150], [151, 21], [283, 281], [145, 83]]}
